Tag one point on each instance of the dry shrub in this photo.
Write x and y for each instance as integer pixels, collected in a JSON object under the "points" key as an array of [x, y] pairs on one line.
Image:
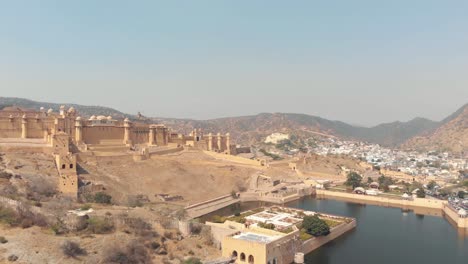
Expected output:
{"points": [[39, 188], [132, 253], [27, 218], [22, 217], [140, 227], [137, 200], [72, 249], [8, 216], [5, 175], [196, 228], [9, 191], [58, 205], [100, 225]]}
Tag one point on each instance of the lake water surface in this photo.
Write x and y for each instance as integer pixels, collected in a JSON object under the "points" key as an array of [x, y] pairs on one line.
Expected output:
{"points": [[388, 235]]}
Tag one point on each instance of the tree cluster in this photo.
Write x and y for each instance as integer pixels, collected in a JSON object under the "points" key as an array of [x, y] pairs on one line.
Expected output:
{"points": [[315, 226], [353, 179]]}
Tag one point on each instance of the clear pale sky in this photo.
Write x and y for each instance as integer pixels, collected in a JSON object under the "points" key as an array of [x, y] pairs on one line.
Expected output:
{"points": [[363, 62]]}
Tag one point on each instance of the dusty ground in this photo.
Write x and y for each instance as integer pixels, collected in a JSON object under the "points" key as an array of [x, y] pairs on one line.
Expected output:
{"points": [[195, 176]]}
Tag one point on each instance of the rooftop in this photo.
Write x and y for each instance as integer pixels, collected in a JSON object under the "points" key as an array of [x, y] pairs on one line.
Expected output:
{"points": [[279, 219]]}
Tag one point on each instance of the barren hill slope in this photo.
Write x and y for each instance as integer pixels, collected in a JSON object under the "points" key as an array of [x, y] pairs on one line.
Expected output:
{"points": [[84, 110], [195, 176], [452, 134], [252, 129]]}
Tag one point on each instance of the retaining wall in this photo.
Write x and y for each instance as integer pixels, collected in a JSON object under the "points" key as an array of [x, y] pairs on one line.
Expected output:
{"points": [[405, 204], [382, 201], [206, 207], [316, 242]]}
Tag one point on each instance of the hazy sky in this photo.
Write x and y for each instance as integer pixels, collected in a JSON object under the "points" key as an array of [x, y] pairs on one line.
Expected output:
{"points": [[362, 62]]}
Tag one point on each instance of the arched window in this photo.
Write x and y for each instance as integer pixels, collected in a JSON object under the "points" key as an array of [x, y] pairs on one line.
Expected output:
{"points": [[274, 261], [251, 259], [63, 166], [242, 257], [234, 254], [71, 166]]}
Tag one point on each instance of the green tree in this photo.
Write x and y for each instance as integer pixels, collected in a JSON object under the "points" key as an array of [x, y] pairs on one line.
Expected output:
{"points": [[461, 194], [315, 226], [353, 179], [369, 180], [420, 193]]}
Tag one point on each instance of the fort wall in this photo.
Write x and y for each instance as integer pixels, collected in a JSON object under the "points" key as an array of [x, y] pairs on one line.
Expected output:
{"points": [[94, 135], [234, 158]]}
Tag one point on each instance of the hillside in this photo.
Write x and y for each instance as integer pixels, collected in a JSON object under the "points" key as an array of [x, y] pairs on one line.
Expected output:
{"points": [[451, 134], [84, 110], [253, 129]]}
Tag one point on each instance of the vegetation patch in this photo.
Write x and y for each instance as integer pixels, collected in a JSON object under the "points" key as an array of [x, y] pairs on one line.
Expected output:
{"points": [[267, 226], [331, 223], [315, 226], [102, 198], [133, 252], [271, 155], [192, 260], [8, 216], [72, 249], [100, 225]]}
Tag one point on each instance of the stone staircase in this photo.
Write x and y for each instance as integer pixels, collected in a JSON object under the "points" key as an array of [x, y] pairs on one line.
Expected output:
{"points": [[109, 145]]}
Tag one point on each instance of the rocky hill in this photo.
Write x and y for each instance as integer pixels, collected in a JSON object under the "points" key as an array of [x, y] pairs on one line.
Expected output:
{"points": [[451, 134], [251, 129], [84, 110]]}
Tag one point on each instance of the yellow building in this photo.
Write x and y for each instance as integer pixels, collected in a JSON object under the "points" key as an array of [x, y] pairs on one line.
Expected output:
{"points": [[257, 245]]}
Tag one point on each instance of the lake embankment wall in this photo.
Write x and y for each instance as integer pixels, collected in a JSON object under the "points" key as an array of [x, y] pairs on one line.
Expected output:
{"points": [[316, 242], [461, 222]]}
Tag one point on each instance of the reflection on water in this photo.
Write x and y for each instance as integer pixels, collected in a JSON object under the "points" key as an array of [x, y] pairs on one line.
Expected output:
{"points": [[389, 235]]}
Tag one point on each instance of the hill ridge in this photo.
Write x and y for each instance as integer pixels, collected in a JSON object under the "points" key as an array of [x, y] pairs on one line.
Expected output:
{"points": [[249, 129]]}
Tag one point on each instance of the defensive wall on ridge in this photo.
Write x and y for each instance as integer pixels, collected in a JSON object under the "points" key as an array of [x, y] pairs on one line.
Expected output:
{"points": [[236, 159]]}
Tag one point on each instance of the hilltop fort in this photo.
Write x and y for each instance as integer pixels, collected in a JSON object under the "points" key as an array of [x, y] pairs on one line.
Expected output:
{"points": [[64, 133]]}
